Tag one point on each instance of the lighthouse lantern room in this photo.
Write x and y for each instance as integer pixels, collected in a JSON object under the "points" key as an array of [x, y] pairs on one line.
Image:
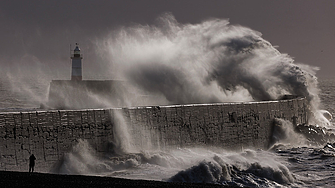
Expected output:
{"points": [[76, 57]]}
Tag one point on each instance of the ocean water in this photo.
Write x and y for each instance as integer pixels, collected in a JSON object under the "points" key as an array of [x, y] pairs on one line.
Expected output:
{"points": [[296, 162]]}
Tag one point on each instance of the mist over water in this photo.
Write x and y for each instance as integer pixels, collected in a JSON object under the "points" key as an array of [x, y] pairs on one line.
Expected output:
{"points": [[22, 91]]}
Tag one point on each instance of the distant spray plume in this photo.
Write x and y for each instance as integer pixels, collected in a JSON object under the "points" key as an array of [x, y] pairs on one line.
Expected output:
{"points": [[29, 86], [212, 61]]}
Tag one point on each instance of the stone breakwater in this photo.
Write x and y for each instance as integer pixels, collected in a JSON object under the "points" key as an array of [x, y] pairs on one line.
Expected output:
{"points": [[51, 134]]}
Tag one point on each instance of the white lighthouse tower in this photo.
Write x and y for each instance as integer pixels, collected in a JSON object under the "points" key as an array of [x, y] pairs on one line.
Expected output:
{"points": [[76, 57]]}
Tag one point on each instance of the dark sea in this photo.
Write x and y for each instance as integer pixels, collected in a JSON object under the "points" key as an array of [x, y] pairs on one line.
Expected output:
{"points": [[293, 162]]}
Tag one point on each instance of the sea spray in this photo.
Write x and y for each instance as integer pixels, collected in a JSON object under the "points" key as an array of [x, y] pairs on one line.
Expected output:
{"points": [[133, 137], [251, 168], [248, 168], [215, 165], [77, 95], [211, 61], [284, 132], [80, 160], [83, 159], [123, 142], [33, 88]]}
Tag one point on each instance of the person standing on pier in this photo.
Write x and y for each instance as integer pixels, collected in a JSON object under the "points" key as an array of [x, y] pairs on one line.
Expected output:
{"points": [[32, 159]]}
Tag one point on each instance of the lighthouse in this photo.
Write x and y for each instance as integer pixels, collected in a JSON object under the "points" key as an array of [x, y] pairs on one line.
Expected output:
{"points": [[82, 94], [76, 57]]}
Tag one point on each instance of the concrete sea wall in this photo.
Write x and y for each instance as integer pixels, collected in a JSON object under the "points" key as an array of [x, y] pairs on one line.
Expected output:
{"points": [[51, 134]]}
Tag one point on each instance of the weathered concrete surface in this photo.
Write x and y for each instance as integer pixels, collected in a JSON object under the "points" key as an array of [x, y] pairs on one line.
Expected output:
{"points": [[50, 134]]}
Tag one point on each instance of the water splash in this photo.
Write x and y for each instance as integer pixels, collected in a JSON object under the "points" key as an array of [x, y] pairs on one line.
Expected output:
{"points": [[237, 170], [249, 168], [123, 142], [284, 133], [212, 61]]}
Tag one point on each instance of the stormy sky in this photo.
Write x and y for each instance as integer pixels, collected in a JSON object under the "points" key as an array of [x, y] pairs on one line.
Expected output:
{"points": [[35, 35]]}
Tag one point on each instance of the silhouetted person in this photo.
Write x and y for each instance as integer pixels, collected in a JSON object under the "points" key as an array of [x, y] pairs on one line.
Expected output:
{"points": [[32, 159]]}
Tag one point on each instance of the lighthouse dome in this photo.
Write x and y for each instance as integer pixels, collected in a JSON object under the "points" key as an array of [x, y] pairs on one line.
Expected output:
{"points": [[77, 48]]}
